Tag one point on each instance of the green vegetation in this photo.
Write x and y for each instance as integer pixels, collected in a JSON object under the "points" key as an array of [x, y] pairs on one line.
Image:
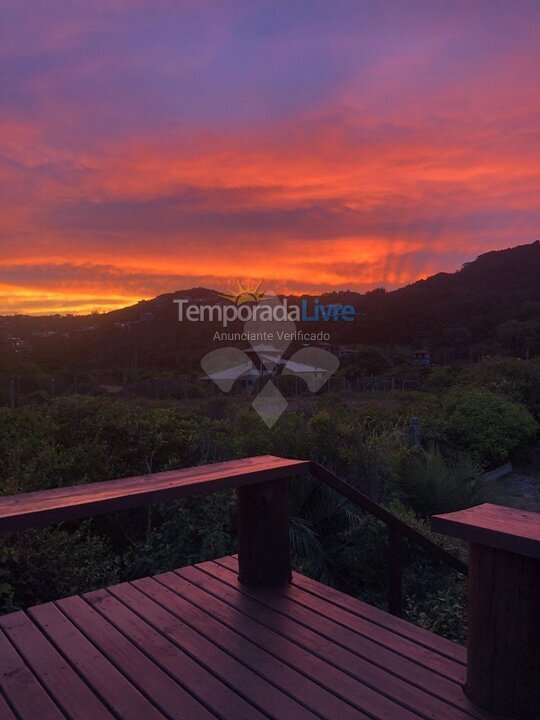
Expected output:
{"points": [[435, 484], [488, 425], [470, 418]]}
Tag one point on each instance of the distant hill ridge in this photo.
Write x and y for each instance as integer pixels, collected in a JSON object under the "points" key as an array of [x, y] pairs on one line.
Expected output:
{"points": [[491, 304]]}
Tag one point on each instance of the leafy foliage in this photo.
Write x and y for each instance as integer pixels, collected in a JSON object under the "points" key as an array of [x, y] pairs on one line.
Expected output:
{"points": [[435, 484], [486, 424]]}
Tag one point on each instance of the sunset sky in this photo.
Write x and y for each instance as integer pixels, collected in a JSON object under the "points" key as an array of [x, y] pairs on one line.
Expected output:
{"points": [[153, 145]]}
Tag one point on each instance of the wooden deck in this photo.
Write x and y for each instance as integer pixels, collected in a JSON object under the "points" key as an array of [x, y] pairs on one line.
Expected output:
{"points": [[194, 644]]}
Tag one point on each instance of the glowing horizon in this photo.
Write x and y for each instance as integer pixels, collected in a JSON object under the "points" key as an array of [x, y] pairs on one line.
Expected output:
{"points": [[153, 146]]}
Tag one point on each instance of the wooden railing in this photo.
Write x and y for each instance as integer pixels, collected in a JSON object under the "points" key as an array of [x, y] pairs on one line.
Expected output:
{"points": [[504, 584], [262, 505], [261, 484], [397, 530], [40, 508]]}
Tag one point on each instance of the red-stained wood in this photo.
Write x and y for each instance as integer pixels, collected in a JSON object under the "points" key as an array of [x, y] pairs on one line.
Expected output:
{"points": [[62, 682], [503, 670], [21, 687], [264, 555], [505, 528], [69, 503], [104, 679], [378, 618], [387, 672], [243, 678], [5, 711], [248, 642], [170, 698], [187, 672], [196, 644], [341, 622], [358, 695]]}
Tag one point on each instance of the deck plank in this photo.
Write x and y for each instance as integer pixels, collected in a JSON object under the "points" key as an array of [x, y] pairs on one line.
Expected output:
{"points": [[432, 651], [281, 671], [418, 635], [362, 622], [6, 712], [175, 702], [437, 680], [194, 644], [358, 695], [245, 681], [106, 681], [20, 686], [218, 697], [61, 681], [423, 692]]}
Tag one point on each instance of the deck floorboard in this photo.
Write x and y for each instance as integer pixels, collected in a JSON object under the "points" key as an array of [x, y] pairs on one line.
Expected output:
{"points": [[194, 644], [388, 672]]}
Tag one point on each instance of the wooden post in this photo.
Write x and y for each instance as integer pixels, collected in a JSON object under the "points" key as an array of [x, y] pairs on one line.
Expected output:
{"points": [[264, 556], [395, 551], [503, 668]]}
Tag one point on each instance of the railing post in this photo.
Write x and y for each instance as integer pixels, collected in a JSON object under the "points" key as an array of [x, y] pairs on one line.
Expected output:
{"points": [[503, 667], [264, 556], [395, 563]]}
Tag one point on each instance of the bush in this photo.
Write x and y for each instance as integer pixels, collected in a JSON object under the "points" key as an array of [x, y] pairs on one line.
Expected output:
{"points": [[368, 361], [434, 484], [486, 425], [515, 379], [42, 565]]}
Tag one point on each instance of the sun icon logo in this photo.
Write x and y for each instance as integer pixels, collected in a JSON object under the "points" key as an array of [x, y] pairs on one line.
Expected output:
{"points": [[244, 295]]}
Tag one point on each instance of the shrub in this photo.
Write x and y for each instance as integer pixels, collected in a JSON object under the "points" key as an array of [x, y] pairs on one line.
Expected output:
{"points": [[515, 379], [486, 425], [434, 484], [42, 565]]}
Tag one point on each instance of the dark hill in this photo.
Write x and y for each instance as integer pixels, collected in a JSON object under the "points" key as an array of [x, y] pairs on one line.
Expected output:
{"points": [[491, 305]]}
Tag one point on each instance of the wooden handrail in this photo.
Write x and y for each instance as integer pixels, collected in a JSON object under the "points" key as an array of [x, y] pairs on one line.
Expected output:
{"points": [[263, 546], [388, 518], [397, 529], [261, 484], [35, 509], [504, 528]]}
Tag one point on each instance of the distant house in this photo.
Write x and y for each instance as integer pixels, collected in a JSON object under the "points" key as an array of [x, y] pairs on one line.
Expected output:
{"points": [[86, 328], [264, 363], [422, 357], [17, 344], [246, 373]]}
